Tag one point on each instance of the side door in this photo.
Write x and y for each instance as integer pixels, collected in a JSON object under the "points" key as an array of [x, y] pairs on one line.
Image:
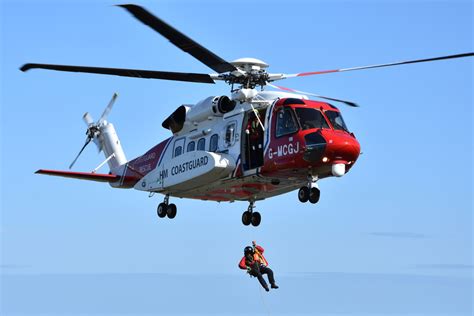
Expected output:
{"points": [[283, 143]]}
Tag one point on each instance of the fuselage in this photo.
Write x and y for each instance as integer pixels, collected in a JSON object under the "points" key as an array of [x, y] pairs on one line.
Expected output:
{"points": [[233, 157]]}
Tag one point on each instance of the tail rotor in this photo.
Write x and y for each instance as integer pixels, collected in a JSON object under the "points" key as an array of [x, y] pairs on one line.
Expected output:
{"points": [[94, 129]]}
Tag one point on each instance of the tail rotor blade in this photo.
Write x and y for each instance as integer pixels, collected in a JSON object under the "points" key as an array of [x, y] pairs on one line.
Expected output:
{"points": [[88, 140], [349, 103], [98, 143], [87, 118], [108, 108]]}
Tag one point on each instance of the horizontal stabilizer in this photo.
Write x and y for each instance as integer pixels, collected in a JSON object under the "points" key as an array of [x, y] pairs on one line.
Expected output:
{"points": [[81, 175]]}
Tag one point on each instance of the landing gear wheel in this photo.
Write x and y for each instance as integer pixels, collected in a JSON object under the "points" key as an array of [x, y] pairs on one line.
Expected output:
{"points": [[303, 194], [246, 218], [161, 210], [256, 219], [171, 211], [314, 195]]}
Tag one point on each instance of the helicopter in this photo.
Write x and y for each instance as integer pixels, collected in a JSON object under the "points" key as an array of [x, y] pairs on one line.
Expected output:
{"points": [[249, 146]]}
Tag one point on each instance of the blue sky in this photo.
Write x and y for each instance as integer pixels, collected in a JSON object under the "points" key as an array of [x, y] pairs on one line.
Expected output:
{"points": [[404, 209]]}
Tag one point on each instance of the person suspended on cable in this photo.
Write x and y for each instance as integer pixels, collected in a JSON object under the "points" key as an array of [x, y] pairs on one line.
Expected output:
{"points": [[256, 265]]}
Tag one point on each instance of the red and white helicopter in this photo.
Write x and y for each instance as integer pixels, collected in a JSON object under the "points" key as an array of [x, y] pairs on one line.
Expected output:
{"points": [[248, 146]]}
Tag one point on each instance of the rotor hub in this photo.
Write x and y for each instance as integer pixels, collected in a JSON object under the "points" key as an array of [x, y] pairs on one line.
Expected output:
{"points": [[250, 73], [249, 64]]}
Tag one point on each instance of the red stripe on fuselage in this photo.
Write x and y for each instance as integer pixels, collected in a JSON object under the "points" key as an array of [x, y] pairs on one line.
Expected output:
{"points": [[140, 166]]}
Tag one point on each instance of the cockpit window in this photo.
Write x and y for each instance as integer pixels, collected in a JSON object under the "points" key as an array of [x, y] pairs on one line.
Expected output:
{"points": [[311, 118], [286, 123], [336, 120]]}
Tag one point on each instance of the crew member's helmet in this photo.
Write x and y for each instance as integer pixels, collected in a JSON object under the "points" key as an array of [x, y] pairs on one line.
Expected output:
{"points": [[248, 250]]}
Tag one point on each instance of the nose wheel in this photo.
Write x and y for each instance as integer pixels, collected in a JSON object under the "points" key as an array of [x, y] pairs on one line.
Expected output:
{"points": [[314, 194], [306, 194], [309, 193], [303, 194], [251, 217], [165, 209]]}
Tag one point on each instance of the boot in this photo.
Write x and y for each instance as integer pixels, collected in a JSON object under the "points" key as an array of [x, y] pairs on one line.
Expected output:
{"points": [[274, 286]]}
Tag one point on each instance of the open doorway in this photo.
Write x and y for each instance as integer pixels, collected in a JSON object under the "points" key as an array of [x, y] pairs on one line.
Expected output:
{"points": [[252, 140]]}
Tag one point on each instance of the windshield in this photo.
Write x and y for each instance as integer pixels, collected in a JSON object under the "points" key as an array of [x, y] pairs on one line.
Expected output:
{"points": [[311, 118], [336, 120]]}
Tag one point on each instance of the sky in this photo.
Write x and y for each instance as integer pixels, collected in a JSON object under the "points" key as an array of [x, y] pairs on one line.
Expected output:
{"points": [[392, 236]]}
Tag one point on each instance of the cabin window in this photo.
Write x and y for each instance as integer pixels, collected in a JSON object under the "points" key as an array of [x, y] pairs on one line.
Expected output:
{"points": [[213, 143], [178, 147], [336, 120], [201, 144], [178, 151], [191, 146], [311, 118], [286, 123], [229, 134]]}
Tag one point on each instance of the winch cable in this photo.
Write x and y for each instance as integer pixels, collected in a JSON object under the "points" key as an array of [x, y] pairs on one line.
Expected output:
{"points": [[258, 118], [263, 300]]}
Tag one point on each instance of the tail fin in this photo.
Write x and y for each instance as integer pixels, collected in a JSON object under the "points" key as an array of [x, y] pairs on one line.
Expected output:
{"points": [[108, 141]]}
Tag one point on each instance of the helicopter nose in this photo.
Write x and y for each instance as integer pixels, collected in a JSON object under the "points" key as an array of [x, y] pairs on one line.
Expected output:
{"points": [[345, 148], [342, 151], [331, 147]]}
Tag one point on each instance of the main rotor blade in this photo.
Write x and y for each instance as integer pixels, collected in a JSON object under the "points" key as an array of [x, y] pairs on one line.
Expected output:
{"points": [[179, 39], [88, 140], [108, 108], [349, 103], [148, 74], [379, 65]]}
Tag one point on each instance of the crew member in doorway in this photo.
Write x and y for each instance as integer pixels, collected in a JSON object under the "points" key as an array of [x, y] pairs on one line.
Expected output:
{"points": [[255, 134], [256, 265]]}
